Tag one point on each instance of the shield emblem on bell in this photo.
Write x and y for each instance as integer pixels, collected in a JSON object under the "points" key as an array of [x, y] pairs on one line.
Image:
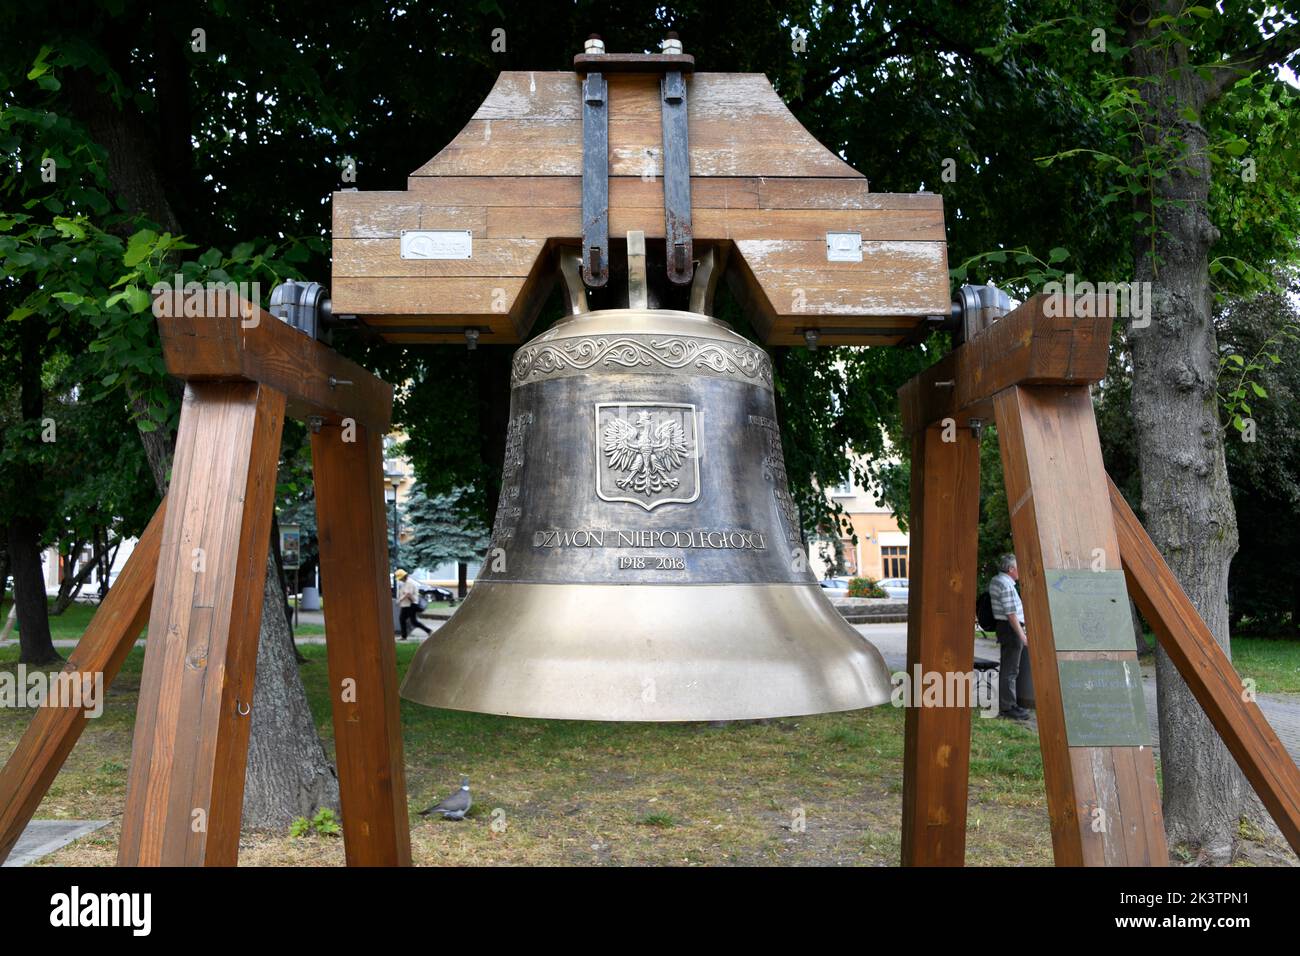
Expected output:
{"points": [[647, 453]]}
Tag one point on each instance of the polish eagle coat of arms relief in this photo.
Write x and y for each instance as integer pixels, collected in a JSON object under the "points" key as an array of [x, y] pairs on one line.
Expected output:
{"points": [[646, 454]]}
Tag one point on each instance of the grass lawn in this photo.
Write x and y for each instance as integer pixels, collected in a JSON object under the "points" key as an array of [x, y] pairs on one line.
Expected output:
{"points": [[583, 792], [564, 792], [1274, 664]]}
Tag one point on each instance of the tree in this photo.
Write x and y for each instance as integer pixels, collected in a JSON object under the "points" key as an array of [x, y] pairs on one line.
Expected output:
{"points": [[1176, 96], [1186, 499], [87, 109], [1262, 338], [441, 531]]}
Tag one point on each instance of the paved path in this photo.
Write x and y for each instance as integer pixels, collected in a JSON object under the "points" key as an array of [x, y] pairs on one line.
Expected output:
{"points": [[43, 837], [1282, 710]]}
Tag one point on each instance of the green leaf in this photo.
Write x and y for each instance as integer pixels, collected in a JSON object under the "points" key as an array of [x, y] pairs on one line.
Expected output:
{"points": [[39, 66], [1236, 147], [136, 298], [1058, 254], [140, 247], [1259, 390], [20, 313], [69, 228]]}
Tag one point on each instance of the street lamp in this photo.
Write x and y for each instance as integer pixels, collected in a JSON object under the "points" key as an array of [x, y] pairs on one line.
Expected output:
{"points": [[390, 495]]}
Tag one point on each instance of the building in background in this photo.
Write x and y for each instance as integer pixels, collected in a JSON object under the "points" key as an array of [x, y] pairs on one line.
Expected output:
{"points": [[881, 550]]}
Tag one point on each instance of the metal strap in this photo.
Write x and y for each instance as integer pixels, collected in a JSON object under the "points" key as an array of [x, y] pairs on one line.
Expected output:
{"points": [[595, 181], [678, 234]]}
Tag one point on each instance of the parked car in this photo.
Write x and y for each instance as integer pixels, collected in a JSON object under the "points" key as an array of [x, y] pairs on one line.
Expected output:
{"points": [[434, 593], [895, 587], [836, 584]]}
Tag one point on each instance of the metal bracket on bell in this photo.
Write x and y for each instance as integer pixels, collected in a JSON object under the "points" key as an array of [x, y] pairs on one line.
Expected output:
{"points": [[638, 288], [571, 273], [705, 282], [678, 232], [595, 181]]}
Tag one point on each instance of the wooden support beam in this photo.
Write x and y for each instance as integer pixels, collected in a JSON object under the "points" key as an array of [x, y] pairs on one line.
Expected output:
{"points": [[940, 638], [1024, 347], [1097, 759], [1208, 672], [186, 786], [54, 731], [227, 339], [362, 659]]}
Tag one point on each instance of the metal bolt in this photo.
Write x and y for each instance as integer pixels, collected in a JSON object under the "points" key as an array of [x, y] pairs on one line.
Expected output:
{"points": [[594, 46], [976, 428], [471, 339], [951, 383], [671, 45], [811, 337], [336, 382], [315, 422]]}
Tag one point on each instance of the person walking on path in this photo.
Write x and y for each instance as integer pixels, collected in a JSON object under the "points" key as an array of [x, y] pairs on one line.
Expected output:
{"points": [[1010, 615], [408, 601]]}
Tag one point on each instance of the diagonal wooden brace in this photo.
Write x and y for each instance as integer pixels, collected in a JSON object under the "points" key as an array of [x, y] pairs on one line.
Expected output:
{"points": [[54, 731], [1208, 672]]}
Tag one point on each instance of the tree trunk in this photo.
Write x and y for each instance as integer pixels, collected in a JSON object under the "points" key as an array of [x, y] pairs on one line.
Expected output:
{"points": [[34, 642], [27, 526], [4, 567], [1186, 500], [289, 774], [73, 577], [1139, 634]]}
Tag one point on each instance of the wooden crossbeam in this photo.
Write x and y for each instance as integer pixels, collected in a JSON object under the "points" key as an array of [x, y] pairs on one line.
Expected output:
{"points": [[54, 731], [227, 339], [941, 603], [1025, 347], [1208, 672]]}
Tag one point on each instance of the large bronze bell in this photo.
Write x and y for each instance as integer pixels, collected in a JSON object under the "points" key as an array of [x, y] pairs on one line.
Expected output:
{"points": [[645, 561]]}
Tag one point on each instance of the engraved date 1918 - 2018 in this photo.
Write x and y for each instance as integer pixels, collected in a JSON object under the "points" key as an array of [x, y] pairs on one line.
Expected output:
{"points": [[651, 563]]}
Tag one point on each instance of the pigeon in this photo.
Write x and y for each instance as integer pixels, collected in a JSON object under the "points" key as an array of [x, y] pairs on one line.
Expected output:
{"points": [[454, 807]]}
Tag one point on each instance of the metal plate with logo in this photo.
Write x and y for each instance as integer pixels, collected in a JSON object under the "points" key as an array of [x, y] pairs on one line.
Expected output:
{"points": [[843, 247], [437, 244], [1090, 610], [647, 453], [1103, 703]]}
